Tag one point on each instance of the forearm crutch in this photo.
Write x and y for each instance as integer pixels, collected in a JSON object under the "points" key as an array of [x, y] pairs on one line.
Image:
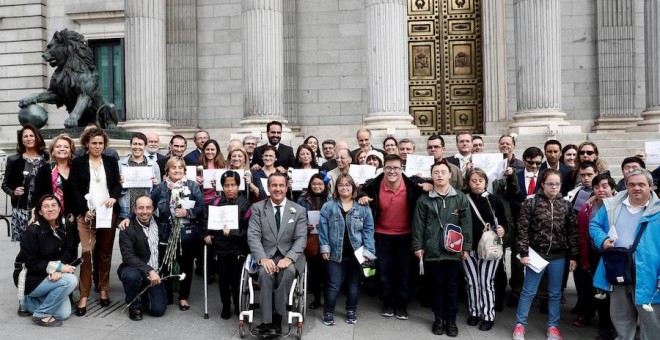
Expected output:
{"points": [[206, 286]]}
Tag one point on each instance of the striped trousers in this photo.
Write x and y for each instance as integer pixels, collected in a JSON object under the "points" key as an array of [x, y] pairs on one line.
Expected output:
{"points": [[480, 275]]}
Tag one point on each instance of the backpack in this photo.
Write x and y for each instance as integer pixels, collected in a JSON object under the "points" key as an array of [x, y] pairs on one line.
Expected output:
{"points": [[490, 245]]}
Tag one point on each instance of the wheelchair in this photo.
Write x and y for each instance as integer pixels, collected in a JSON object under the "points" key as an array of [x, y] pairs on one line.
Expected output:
{"points": [[296, 305]]}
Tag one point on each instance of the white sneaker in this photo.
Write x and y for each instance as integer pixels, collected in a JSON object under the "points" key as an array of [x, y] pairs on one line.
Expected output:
{"points": [[519, 332], [554, 334]]}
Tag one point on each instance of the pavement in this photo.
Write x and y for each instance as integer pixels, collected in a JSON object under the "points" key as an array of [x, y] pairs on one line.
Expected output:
{"points": [[111, 323]]}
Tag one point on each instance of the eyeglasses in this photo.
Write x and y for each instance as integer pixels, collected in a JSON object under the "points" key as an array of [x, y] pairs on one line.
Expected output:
{"points": [[533, 163], [344, 185], [392, 169], [587, 152], [553, 184]]}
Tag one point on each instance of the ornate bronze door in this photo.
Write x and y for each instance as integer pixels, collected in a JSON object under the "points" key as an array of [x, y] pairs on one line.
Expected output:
{"points": [[445, 69]]}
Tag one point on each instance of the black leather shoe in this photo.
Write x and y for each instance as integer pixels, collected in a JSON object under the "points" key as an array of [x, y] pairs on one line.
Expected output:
{"points": [[81, 311], [473, 321], [226, 312], [276, 329], [486, 325], [104, 302], [438, 327], [315, 304], [23, 312], [451, 329], [183, 307], [262, 330], [135, 314]]}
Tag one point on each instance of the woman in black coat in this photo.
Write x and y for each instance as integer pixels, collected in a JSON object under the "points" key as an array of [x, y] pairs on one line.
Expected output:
{"points": [[95, 183], [20, 173], [47, 279]]}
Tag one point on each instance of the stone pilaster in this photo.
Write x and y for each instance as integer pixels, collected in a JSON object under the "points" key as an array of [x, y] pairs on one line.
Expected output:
{"points": [[651, 115], [146, 87], [387, 67], [616, 69], [494, 61], [538, 68], [263, 64]]}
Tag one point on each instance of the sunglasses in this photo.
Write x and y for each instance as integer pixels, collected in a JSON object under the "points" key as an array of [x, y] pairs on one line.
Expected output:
{"points": [[533, 163], [587, 152]]}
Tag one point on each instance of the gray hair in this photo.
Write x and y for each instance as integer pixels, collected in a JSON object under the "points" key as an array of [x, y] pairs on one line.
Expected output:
{"points": [[247, 138], [407, 140], [643, 172]]}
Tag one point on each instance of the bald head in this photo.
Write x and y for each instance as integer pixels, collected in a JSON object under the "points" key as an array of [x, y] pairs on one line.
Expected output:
{"points": [[144, 209]]}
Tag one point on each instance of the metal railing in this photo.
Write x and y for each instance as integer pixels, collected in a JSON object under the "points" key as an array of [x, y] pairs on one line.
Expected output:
{"points": [[5, 200]]}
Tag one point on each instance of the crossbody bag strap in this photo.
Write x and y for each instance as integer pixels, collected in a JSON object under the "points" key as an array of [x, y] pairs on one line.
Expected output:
{"points": [[474, 206], [638, 236], [437, 212]]}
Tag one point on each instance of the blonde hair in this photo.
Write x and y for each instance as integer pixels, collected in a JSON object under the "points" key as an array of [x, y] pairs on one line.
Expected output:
{"points": [[172, 161], [68, 139], [245, 155]]}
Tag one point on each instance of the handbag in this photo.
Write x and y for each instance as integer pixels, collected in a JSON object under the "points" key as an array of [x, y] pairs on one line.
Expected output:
{"points": [[313, 245], [490, 245], [619, 262], [451, 237]]}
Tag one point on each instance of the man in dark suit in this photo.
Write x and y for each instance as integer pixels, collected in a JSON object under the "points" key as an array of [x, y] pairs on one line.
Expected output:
{"points": [[177, 148], [329, 153], [462, 159], [363, 137], [552, 150], [277, 236], [153, 144], [192, 158], [286, 157], [138, 244]]}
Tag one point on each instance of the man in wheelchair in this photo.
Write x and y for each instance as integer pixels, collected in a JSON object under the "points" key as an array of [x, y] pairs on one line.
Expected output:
{"points": [[277, 235]]}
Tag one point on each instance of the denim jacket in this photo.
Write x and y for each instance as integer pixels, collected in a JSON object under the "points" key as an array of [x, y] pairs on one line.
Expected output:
{"points": [[360, 229], [124, 199], [161, 198]]}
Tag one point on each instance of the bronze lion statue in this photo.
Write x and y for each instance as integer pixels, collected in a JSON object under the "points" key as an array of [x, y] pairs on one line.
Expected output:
{"points": [[75, 83]]}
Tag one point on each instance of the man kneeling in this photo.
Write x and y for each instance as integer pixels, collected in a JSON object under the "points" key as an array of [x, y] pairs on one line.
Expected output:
{"points": [[139, 253]]}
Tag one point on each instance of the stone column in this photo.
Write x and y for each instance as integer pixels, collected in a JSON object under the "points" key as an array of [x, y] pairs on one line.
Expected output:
{"points": [[263, 64], [494, 59], [651, 115], [538, 68], [387, 67], [146, 87], [616, 67]]}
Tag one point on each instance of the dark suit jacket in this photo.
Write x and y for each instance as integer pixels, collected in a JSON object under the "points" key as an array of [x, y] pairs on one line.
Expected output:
{"points": [[329, 165], [158, 156], [134, 247], [80, 177], [286, 157], [564, 170], [192, 158], [453, 160]]}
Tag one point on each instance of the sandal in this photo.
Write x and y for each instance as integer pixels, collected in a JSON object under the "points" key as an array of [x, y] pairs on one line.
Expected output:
{"points": [[50, 322]]}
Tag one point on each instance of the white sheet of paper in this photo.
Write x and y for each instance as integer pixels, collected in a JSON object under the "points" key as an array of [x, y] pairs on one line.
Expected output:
{"points": [[492, 163], [264, 184], [300, 178], [417, 165], [191, 172], [652, 150], [218, 174], [536, 262], [362, 173], [226, 215], [581, 199], [421, 266], [137, 176], [188, 203], [103, 217], [313, 218], [208, 175], [359, 254], [612, 234]]}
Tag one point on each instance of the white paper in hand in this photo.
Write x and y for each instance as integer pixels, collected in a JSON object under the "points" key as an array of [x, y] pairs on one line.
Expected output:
{"points": [[612, 233], [359, 254], [536, 262]]}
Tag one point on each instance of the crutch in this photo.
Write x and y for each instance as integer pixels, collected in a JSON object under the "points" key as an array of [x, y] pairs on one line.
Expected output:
{"points": [[206, 286]]}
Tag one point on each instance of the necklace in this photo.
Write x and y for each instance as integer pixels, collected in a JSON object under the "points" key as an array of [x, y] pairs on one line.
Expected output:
{"points": [[97, 171]]}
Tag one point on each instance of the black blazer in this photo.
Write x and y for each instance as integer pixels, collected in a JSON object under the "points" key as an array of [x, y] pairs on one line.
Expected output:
{"points": [[14, 179], [134, 247], [453, 160], [43, 184], [285, 158], [80, 179], [192, 158]]}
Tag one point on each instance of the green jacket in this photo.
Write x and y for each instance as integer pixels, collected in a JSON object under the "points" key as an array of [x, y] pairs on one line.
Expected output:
{"points": [[455, 209]]}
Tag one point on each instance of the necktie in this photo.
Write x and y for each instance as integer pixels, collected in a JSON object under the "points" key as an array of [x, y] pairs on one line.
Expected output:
{"points": [[532, 186], [151, 157], [277, 217]]}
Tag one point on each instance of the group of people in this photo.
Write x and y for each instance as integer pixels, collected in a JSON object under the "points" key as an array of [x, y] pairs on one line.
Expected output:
{"points": [[420, 233]]}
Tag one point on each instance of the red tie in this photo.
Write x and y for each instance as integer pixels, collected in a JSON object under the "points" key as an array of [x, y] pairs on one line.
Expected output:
{"points": [[532, 186]]}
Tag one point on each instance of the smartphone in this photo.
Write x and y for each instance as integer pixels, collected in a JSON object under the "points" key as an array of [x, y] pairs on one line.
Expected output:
{"points": [[76, 262]]}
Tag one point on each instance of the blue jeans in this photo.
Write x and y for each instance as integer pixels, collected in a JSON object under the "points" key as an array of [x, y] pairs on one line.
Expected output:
{"points": [[51, 298], [155, 298], [348, 270], [555, 271]]}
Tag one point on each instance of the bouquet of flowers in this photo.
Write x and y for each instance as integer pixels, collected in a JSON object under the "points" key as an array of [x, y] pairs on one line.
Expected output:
{"points": [[178, 193]]}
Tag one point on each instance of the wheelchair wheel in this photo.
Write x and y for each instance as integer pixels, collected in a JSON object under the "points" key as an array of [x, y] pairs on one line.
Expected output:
{"points": [[244, 293], [304, 300]]}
